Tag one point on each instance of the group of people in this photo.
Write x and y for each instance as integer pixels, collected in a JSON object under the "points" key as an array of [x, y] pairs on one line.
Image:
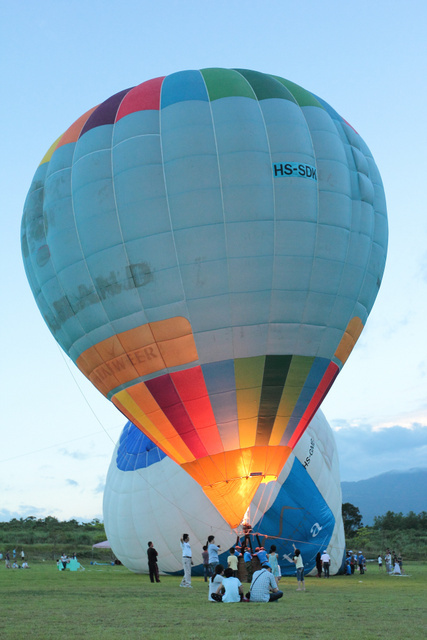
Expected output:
{"points": [[224, 583], [354, 561], [14, 564], [323, 563], [393, 562]]}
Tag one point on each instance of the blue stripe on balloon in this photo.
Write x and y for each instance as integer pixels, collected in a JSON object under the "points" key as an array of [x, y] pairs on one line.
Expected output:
{"points": [[298, 515], [182, 86], [135, 450]]}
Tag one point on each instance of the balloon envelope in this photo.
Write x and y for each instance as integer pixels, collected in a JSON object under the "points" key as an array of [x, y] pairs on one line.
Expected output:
{"points": [[149, 497], [206, 247]]}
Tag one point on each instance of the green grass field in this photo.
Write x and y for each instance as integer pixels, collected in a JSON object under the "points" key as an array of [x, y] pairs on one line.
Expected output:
{"points": [[109, 602]]}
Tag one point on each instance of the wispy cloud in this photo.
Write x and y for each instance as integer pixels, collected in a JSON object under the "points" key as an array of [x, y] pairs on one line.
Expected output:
{"points": [[76, 455], [100, 486], [72, 483], [367, 450]]}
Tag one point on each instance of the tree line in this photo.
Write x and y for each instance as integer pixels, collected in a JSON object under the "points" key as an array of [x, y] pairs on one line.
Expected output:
{"points": [[50, 530], [391, 521]]}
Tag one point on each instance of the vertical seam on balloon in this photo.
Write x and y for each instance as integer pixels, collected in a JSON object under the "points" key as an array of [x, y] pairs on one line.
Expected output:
{"points": [[352, 200], [274, 216], [184, 300], [71, 342], [274, 247], [117, 211], [83, 255], [317, 212], [226, 243], [371, 237]]}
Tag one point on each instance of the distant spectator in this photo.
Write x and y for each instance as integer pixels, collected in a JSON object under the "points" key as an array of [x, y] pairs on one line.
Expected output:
{"points": [[380, 562], [14, 553], [22, 554], [64, 561], [361, 563], [25, 565]]}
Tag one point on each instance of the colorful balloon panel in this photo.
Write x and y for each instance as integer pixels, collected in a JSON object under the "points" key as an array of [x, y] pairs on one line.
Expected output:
{"points": [[206, 247], [149, 497]]}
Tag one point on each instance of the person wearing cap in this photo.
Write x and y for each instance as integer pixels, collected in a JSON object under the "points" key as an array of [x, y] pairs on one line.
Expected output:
{"points": [[326, 561], [263, 586]]}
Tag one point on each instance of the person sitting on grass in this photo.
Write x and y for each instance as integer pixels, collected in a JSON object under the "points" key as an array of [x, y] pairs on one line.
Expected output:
{"points": [[263, 586], [215, 581], [231, 588]]}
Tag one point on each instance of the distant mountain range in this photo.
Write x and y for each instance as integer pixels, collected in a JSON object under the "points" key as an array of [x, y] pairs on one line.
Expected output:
{"points": [[398, 491]]}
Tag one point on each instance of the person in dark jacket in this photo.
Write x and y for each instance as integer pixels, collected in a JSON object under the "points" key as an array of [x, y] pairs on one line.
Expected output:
{"points": [[319, 565], [152, 563]]}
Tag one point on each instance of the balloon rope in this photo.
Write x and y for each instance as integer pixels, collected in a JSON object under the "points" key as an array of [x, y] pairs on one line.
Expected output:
{"points": [[83, 394]]}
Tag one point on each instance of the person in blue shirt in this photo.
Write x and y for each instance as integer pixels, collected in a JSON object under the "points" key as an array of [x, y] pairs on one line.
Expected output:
{"points": [[247, 558], [213, 550]]}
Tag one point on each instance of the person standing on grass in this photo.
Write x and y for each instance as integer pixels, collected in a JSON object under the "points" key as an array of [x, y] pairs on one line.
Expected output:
{"points": [[232, 561], [319, 564], [326, 561], [186, 560], [153, 568], [361, 562], [64, 561], [213, 551], [380, 562], [205, 558], [247, 557], [273, 559], [299, 565]]}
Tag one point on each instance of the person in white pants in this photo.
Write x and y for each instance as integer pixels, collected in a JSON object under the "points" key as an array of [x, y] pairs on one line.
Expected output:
{"points": [[186, 560]]}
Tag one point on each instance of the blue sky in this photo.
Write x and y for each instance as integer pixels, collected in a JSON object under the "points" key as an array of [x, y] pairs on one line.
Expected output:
{"points": [[368, 60]]}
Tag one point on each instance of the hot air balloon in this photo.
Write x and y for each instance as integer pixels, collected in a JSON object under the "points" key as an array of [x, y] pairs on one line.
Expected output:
{"points": [[206, 247], [147, 496]]}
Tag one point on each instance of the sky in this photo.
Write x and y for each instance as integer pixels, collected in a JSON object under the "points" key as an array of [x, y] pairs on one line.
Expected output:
{"points": [[368, 60]]}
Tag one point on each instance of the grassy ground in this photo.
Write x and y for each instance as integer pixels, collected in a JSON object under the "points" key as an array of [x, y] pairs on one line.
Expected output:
{"points": [[109, 602]]}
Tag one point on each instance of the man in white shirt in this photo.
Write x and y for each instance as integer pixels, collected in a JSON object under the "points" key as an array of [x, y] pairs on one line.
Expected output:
{"points": [[231, 586], [263, 586], [326, 561], [186, 560]]}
